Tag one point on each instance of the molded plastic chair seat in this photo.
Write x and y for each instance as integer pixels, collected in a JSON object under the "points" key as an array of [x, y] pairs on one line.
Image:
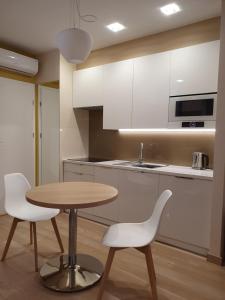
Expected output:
{"points": [[138, 236], [126, 235], [32, 213], [16, 205]]}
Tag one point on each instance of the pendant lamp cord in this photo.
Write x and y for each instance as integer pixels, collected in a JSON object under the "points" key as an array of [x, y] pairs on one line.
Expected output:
{"points": [[73, 10], [89, 18]]}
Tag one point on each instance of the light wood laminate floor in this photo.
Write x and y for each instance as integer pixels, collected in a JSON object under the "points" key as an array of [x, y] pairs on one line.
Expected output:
{"points": [[180, 275]]}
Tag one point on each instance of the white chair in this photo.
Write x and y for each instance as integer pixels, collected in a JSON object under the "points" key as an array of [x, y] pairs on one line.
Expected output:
{"points": [[138, 236], [16, 205]]}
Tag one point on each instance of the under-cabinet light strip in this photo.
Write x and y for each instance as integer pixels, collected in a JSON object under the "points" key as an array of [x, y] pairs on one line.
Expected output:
{"points": [[168, 130]]}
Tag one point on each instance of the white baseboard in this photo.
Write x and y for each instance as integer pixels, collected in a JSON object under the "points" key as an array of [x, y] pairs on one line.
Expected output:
{"points": [[184, 246]]}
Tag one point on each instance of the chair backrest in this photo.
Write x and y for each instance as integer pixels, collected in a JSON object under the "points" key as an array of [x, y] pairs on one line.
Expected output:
{"points": [[152, 224], [16, 186]]}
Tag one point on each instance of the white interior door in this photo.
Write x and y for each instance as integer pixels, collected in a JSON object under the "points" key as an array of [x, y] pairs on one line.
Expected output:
{"points": [[16, 130], [49, 142]]}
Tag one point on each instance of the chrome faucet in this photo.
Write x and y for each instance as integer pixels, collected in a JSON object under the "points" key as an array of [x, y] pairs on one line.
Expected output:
{"points": [[140, 157]]}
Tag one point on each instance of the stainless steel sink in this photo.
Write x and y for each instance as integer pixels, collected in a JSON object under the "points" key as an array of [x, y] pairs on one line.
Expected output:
{"points": [[148, 165], [141, 165]]}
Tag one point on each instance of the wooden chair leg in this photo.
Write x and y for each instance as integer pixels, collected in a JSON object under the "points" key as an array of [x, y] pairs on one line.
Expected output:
{"points": [[11, 233], [106, 272], [31, 234], [54, 224], [35, 246], [151, 271]]}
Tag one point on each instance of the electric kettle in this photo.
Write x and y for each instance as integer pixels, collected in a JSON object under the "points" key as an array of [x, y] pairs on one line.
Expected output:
{"points": [[200, 161]]}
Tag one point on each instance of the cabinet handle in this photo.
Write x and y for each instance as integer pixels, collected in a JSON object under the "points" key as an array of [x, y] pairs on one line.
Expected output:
{"points": [[77, 173], [100, 167], [183, 177]]}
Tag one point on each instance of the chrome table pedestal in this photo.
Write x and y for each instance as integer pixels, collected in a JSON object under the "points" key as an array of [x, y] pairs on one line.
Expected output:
{"points": [[74, 272]]}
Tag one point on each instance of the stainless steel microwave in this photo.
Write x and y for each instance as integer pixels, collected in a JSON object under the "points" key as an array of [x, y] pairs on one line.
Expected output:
{"points": [[193, 111]]}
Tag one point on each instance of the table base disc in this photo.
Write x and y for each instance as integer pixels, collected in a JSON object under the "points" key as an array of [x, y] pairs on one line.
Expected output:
{"points": [[56, 274]]}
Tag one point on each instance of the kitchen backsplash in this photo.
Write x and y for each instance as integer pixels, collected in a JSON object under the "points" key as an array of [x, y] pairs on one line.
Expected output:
{"points": [[163, 147]]}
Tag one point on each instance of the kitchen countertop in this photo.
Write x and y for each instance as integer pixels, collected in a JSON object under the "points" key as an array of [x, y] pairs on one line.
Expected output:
{"points": [[172, 170]]}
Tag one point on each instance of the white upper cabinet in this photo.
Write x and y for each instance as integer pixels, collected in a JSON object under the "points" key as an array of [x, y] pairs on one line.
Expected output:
{"points": [[151, 91], [194, 70], [135, 93], [117, 94], [88, 87]]}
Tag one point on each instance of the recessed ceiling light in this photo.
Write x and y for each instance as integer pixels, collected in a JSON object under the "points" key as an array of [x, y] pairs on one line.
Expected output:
{"points": [[170, 9], [11, 56], [115, 27]]}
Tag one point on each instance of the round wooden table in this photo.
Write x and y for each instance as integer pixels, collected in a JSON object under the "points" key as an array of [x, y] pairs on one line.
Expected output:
{"points": [[72, 272]]}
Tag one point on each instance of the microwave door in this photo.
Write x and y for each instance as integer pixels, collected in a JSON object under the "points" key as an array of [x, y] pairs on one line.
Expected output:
{"points": [[194, 108]]}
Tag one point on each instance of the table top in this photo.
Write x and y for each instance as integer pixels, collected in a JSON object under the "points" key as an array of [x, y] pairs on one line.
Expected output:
{"points": [[71, 195]]}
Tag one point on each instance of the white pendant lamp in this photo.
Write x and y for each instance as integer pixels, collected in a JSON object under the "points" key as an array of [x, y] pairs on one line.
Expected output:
{"points": [[75, 44]]}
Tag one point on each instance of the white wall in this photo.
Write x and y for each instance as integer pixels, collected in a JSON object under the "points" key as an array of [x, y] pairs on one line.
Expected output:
{"points": [[217, 228], [48, 67], [74, 125]]}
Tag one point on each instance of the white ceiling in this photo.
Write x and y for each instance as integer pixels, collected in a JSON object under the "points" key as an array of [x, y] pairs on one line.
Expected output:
{"points": [[31, 25]]}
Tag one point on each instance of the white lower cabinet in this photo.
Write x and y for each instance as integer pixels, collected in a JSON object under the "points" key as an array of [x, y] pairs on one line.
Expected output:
{"points": [[187, 217], [138, 193], [186, 220], [76, 172], [110, 177], [75, 176]]}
